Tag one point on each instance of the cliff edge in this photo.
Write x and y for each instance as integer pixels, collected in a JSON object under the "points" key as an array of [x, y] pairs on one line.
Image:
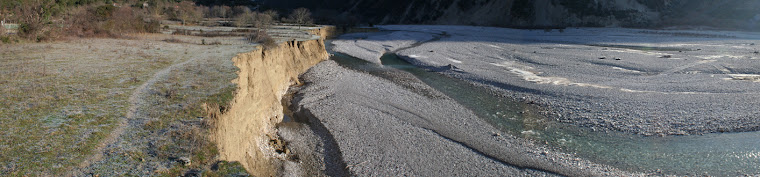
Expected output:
{"points": [[246, 132]]}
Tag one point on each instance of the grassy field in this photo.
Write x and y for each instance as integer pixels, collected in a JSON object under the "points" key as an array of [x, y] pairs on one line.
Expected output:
{"points": [[60, 102]]}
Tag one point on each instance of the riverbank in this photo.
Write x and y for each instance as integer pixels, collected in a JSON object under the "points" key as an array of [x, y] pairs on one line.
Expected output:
{"points": [[245, 132]]}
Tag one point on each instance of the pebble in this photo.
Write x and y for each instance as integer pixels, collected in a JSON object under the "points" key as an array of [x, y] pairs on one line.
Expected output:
{"points": [[185, 161]]}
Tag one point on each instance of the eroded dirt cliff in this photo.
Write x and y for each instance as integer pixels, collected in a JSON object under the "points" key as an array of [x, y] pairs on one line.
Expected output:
{"points": [[246, 132]]}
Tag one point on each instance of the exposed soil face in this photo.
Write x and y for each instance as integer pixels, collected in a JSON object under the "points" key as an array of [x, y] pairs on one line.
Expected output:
{"points": [[246, 131]]}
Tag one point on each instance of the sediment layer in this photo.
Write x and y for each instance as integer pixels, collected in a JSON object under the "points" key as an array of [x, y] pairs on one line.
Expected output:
{"points": [[243, 133]]}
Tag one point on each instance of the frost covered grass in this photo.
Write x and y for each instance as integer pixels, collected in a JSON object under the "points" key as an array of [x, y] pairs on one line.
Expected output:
{"points": [[59, 100], [94, 105]]}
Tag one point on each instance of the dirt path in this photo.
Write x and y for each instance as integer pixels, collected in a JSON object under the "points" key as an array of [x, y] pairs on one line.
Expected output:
{"points": [[136, 100], [128, 135]]}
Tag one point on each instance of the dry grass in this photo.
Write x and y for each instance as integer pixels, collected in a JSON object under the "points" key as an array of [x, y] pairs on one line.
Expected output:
{"points": [[261, 37], [182, 106], [59, 100], [174, 40], [177, 110], [223, 40]]}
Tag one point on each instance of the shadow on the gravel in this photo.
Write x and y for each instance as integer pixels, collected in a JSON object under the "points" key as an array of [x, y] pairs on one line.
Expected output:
{"points": [[333, 158]]}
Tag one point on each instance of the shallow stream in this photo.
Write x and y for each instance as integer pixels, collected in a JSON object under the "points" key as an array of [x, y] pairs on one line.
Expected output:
{"points": [[717, 154]]}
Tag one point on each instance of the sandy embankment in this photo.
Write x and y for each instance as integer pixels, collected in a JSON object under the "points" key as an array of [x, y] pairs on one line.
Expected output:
{"points": [[246, 132]]}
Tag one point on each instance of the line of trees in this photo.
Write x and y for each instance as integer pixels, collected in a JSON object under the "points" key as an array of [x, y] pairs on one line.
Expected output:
{"points": [[50, 19], [42, 20], [243, 16]]}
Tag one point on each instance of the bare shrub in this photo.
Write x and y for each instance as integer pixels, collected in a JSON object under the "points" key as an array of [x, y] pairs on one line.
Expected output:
{"points": [[153, 26], [107, 20], [188, 12], [182, 32], [31, 16], [5, 40], [82, 23], [273, 15], [184, 11], [241, 20], [262, 21], [238, 10], [254, 19], [261, 37], [216, 42], [220, 12], [174, 40], [155, 9], [102, 12], [127, 20], [301, 16]]}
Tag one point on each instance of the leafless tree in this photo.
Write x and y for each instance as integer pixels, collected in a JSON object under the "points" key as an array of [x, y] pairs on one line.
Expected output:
{"points": [[31, 16], [301, 16], [188, 12], [239, 10], [262, 21], [243, 19], [220, 11], [274, 15], [156, 10], [257, 20]]}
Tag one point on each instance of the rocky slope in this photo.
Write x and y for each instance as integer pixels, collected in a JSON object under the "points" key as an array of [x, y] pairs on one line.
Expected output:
{"points": [[540, 13]]}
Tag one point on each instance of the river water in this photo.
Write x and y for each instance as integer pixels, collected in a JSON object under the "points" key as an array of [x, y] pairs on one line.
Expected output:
{"points": [[717, 154]]}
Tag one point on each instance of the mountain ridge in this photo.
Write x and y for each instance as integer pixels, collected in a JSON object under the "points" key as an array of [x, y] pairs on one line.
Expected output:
{"points": [[736, 14]]}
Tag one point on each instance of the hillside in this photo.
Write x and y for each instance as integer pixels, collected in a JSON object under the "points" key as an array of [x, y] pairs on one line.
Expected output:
{"points": [[540, 13]]}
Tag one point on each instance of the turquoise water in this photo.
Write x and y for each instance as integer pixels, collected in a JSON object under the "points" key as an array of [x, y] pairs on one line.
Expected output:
{"points": [[718, 154]]}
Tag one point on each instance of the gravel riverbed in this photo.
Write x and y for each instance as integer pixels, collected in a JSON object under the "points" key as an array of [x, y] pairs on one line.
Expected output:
{"points": [[648, 82], [381, 128]]}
